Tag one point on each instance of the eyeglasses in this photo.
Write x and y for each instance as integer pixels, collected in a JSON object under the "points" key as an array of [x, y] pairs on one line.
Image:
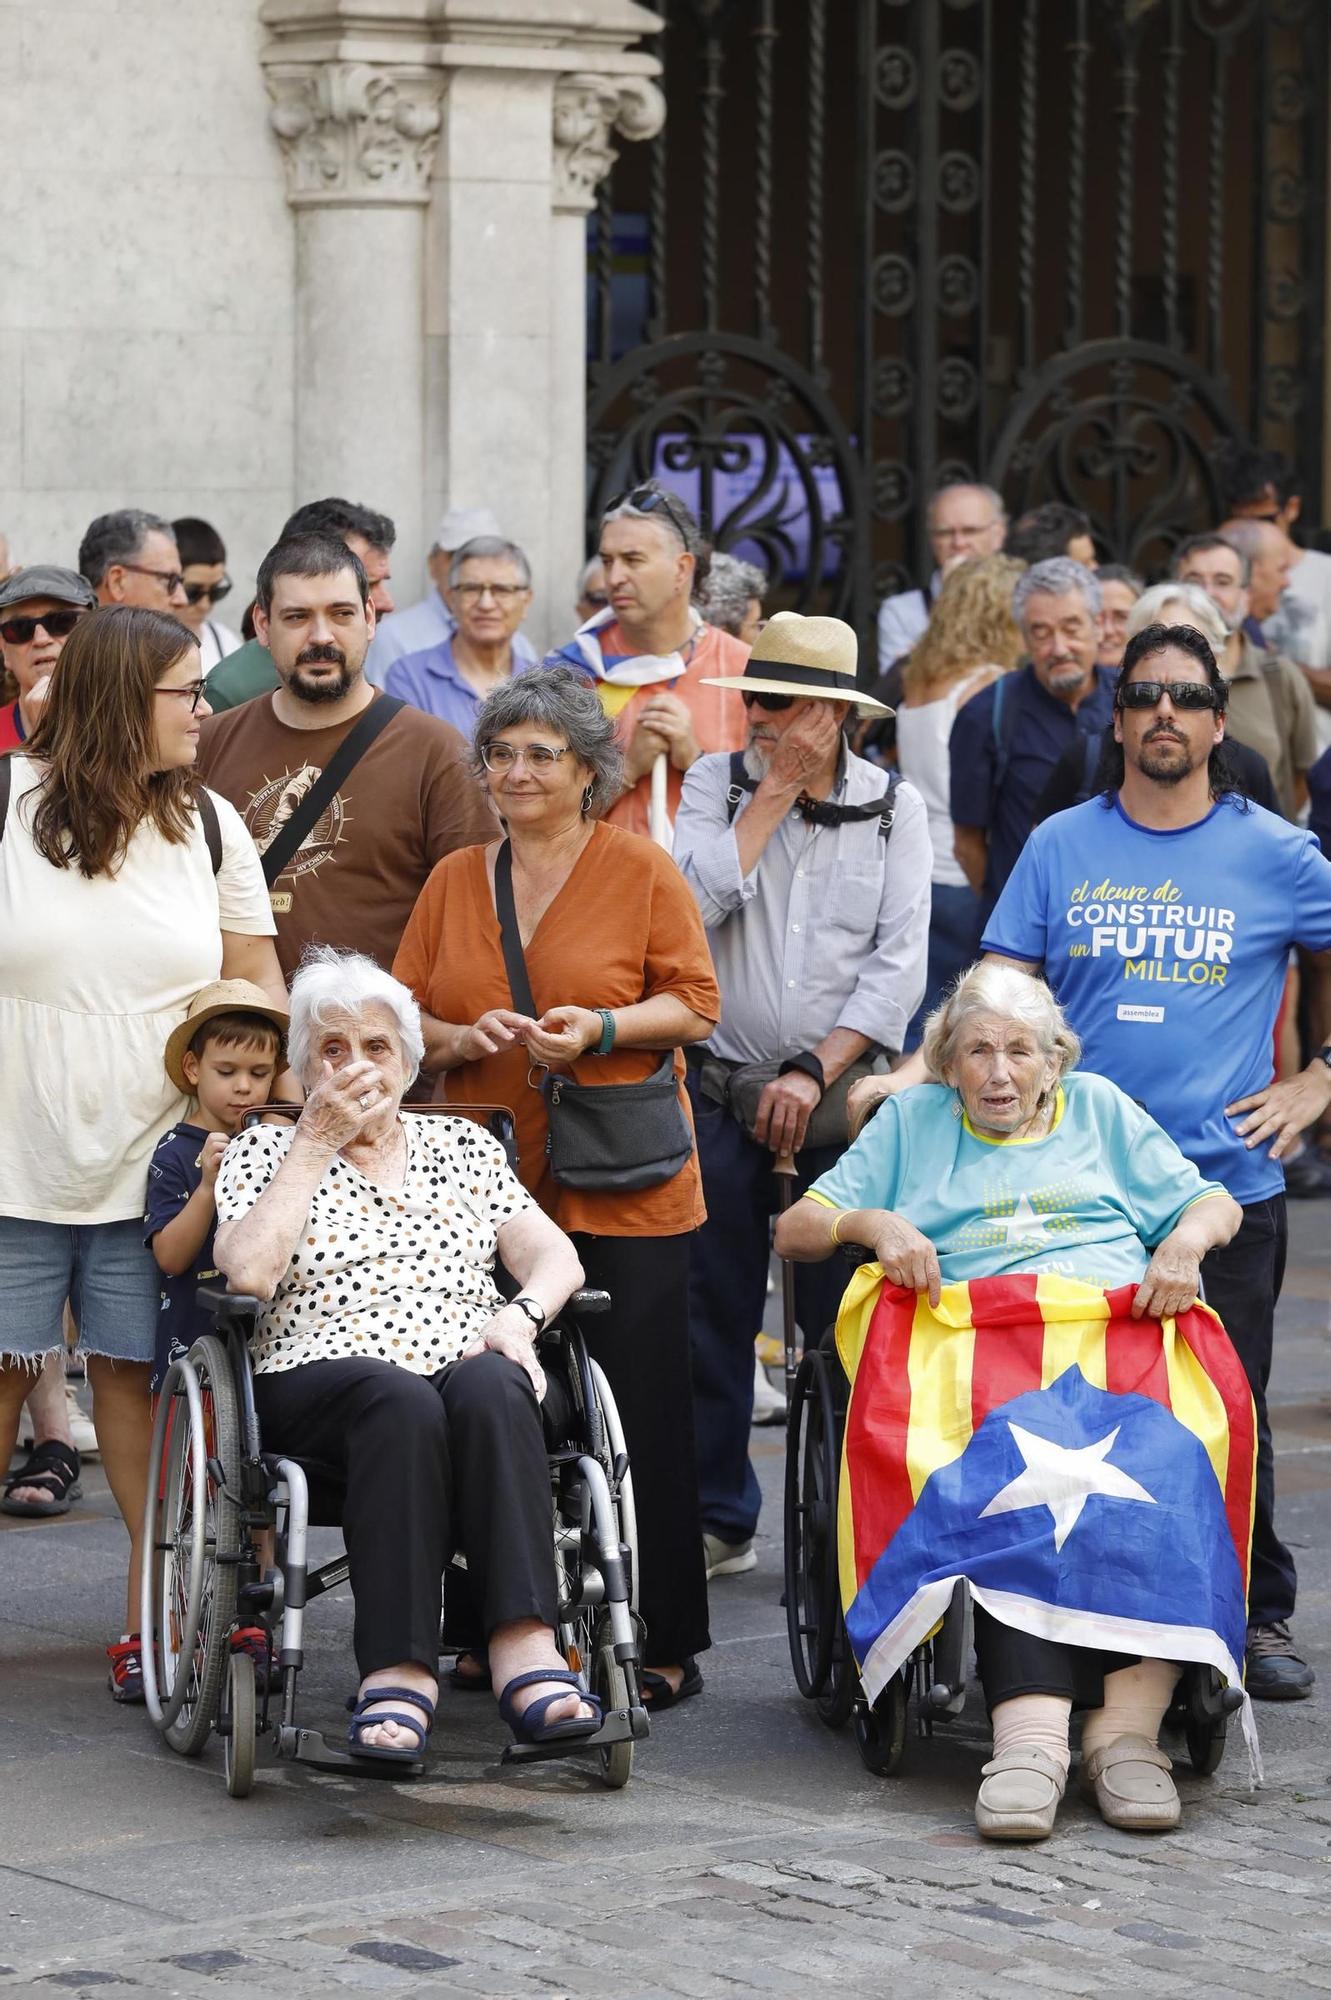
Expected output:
{"points": [[646, 500], [536, 756], [22, 631], [1183, 694], [172, 578], [598, 599], [196, 592], [193, 694], [502, 593], [774, 703]]}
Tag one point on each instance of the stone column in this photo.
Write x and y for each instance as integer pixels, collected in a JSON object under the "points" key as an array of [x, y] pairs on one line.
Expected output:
{"points": [[442, 156], [358, 139]]}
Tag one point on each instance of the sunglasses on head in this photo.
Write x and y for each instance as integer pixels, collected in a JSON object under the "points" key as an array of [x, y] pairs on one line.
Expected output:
{"points": [[1183, 694], [214, 592], [646, 500], [773, 703], [22, 631]]}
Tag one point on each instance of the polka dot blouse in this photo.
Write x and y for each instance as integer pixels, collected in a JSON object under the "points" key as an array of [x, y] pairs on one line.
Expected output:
{"points": [[402, 1274]]}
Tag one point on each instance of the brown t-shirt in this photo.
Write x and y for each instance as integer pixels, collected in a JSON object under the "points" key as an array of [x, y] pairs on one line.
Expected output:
{"points": [[623, 928], [409, 801]]}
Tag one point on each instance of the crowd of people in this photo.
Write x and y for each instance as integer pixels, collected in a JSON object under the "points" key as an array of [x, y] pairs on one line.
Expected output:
{"points": [[350, 857]]}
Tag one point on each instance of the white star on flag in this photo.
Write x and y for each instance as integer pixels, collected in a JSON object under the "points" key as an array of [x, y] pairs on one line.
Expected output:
{"points": [[1023, 1225], [1063, 1479]]}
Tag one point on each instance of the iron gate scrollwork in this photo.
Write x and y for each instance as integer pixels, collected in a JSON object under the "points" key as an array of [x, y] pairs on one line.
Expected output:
{"points": [[1068, 247]]}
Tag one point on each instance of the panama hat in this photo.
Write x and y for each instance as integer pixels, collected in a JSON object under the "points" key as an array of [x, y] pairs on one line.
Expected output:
{"points": [[224, 996], [812, 659]]}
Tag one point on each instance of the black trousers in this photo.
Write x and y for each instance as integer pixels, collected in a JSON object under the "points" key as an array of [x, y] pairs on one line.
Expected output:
{"points": [[643, 1346], [413, 1469], [1010, 1663], [727, 1298], [1243, 1283]]}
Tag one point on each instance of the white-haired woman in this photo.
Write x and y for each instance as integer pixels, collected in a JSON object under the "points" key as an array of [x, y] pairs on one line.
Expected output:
{"points": [[932, 1187], [387, 1362]]}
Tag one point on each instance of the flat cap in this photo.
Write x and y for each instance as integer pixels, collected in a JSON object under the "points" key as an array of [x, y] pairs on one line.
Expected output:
{"points": [[46, 580]]}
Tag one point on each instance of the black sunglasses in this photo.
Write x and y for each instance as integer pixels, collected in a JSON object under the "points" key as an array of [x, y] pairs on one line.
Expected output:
{"points": [[773, 703], [214, 592], [645, 500], [1183, 694], [22, 631]]}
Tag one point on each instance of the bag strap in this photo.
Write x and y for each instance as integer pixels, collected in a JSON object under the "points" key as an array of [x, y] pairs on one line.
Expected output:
{"points": [[515, 963], [372, 722], [4, 793], [883, 808], [1004, 727], [212, 826]]}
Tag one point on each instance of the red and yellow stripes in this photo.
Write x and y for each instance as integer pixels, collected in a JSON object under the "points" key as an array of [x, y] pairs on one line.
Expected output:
{"points": [[923, 1380]]}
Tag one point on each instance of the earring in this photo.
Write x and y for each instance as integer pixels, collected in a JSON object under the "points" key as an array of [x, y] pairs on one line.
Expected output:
{"points": [[587, 799]]}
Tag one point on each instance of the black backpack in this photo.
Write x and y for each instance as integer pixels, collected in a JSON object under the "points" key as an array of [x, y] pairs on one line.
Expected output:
{"points": [[203, 799]]}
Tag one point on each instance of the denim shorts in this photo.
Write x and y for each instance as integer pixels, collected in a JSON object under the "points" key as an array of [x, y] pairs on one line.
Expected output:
{"points": [[104, 1269]]}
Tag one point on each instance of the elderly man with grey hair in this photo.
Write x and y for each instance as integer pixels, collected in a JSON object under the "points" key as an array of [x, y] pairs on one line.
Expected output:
{"points": [[488, 594], [732, 597], [1006, 742], [130, 557], [429, 622], [964, 520], [388, 1362]]}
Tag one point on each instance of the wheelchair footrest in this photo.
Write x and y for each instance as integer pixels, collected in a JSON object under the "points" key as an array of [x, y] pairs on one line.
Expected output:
{"points": [[620, 1726], [310, 1746]]}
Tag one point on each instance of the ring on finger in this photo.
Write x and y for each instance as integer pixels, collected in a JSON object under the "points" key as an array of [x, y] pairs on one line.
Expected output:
{"points": [[366, 1099]]}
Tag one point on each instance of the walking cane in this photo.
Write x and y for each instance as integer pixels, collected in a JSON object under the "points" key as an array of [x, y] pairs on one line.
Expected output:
{"points": [[658, 812], [784, 1169]]}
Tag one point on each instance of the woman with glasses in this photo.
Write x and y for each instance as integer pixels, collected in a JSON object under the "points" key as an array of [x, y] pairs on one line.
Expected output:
{"points": [[124, 889], [619, 972], [203, 565]]}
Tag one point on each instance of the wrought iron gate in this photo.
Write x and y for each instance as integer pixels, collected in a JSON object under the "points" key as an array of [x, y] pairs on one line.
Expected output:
{"points": [[1063, 246]]}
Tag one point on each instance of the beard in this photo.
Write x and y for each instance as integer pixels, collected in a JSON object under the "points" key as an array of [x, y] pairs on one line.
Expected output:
{"points": [[309, 690], [1165, 760]]}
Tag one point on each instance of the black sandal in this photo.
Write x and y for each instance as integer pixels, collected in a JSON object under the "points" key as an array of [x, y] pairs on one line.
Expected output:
{"points": [[52, 1465], [657, 1692]]}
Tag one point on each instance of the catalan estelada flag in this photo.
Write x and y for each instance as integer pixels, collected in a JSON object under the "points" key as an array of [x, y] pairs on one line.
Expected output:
{"points": [[1089, 1475]]}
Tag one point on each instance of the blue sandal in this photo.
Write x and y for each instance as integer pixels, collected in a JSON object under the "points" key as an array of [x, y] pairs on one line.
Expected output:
{"points": [[530, 1726], [381, 1751]]}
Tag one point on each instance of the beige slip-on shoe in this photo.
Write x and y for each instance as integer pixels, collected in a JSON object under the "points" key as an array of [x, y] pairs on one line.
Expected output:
{"points": [[1130, 1781], [1019, 1796]]}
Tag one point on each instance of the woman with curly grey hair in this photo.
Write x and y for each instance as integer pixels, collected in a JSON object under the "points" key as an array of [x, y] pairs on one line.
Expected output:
{"points": [[619, 972]]}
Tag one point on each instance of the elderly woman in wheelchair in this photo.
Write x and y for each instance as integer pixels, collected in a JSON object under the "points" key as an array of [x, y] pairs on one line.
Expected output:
{"points": [[1013, 1165], [387, 1363]]}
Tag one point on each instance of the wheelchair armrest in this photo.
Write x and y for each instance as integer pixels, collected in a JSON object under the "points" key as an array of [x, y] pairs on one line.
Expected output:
{"points": [[218, 1302], [588, 1302]]}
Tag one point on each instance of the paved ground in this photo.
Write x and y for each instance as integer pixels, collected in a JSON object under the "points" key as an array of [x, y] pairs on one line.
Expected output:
{"points": [[750, 1854]]}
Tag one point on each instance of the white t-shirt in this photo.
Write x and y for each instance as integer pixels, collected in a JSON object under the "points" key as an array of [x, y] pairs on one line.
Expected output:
{"points": [[94, 975], [400, 1274], [215, 642], [923, 736]]}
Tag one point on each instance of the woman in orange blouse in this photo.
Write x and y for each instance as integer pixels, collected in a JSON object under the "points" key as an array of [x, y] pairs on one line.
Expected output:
{"points": [[607, 924]]}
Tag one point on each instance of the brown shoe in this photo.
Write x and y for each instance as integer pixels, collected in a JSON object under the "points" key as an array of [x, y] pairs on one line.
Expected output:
{"points": [[1131, 1783], [1019, 1797]]}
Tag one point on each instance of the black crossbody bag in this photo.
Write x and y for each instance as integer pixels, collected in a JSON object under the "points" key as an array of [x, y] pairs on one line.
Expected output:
{"points": [[604, 1136]]}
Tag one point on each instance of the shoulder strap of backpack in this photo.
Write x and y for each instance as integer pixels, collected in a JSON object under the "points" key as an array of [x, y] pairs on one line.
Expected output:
{"points": [[212, 826], [1092, 749], [336, 771], [740, 782], [1003, 721]]}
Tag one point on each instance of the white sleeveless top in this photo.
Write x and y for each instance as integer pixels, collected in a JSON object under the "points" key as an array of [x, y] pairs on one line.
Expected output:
{"points": [[923, 735]]}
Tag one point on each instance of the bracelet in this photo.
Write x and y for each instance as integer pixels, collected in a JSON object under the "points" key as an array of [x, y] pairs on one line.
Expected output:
{"points": [[532, 1308], [837, 1221], [607, 1041], [809, 1065]]}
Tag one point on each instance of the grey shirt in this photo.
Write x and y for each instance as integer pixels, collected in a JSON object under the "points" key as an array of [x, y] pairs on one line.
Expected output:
{"points": [[831, 928]]}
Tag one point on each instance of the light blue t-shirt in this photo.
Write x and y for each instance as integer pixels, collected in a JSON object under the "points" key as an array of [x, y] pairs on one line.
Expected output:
{"points": [[1167, 951], [1088, 1200]]}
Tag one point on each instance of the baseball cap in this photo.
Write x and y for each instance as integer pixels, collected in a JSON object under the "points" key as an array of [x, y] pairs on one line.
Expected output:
{"points": [[461, 525]]}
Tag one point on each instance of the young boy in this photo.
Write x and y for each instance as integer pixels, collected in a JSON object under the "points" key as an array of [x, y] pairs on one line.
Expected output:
{"points": [[225, 1054]]}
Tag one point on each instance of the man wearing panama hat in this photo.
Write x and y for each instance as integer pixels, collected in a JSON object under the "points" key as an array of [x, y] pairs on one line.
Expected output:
{"points": [[813, 881]]}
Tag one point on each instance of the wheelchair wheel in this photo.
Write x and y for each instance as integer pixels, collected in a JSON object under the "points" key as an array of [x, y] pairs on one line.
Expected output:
{"points": [[880, 1731], [608, 1680], [842, 1685], [189, 1594], [1206, 1743], [240, 1711], [812, 1474]]}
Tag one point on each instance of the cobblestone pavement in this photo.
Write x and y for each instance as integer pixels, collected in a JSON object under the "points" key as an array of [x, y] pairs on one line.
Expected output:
{"points": [[750, 1854]]}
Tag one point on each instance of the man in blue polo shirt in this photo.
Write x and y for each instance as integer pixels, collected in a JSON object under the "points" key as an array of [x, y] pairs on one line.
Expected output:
{"points": [[1006, 742], [1162, 915]]}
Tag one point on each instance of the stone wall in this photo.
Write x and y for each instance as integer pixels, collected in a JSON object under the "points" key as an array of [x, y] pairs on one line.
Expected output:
{"points": [[147, 252]]}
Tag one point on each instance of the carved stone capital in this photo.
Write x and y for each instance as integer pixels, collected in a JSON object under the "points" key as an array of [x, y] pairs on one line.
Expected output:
{"points": [[587, 109], [356, 132]]}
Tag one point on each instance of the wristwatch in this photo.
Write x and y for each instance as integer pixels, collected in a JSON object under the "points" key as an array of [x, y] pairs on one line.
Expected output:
{"points": [[534, 1310]]}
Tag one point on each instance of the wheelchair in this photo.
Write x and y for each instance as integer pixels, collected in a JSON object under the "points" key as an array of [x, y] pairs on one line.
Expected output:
{"points": [[212, 1490], [931, 1685]]}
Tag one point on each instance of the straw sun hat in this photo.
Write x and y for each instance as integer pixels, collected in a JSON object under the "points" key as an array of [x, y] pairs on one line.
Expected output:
{"points": [[224, 996], [812, 659]]}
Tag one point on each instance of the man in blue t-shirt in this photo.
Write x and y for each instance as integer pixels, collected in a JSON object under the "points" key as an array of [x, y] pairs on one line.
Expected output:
{"points": [[1006, 742], [1163, 915]]}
